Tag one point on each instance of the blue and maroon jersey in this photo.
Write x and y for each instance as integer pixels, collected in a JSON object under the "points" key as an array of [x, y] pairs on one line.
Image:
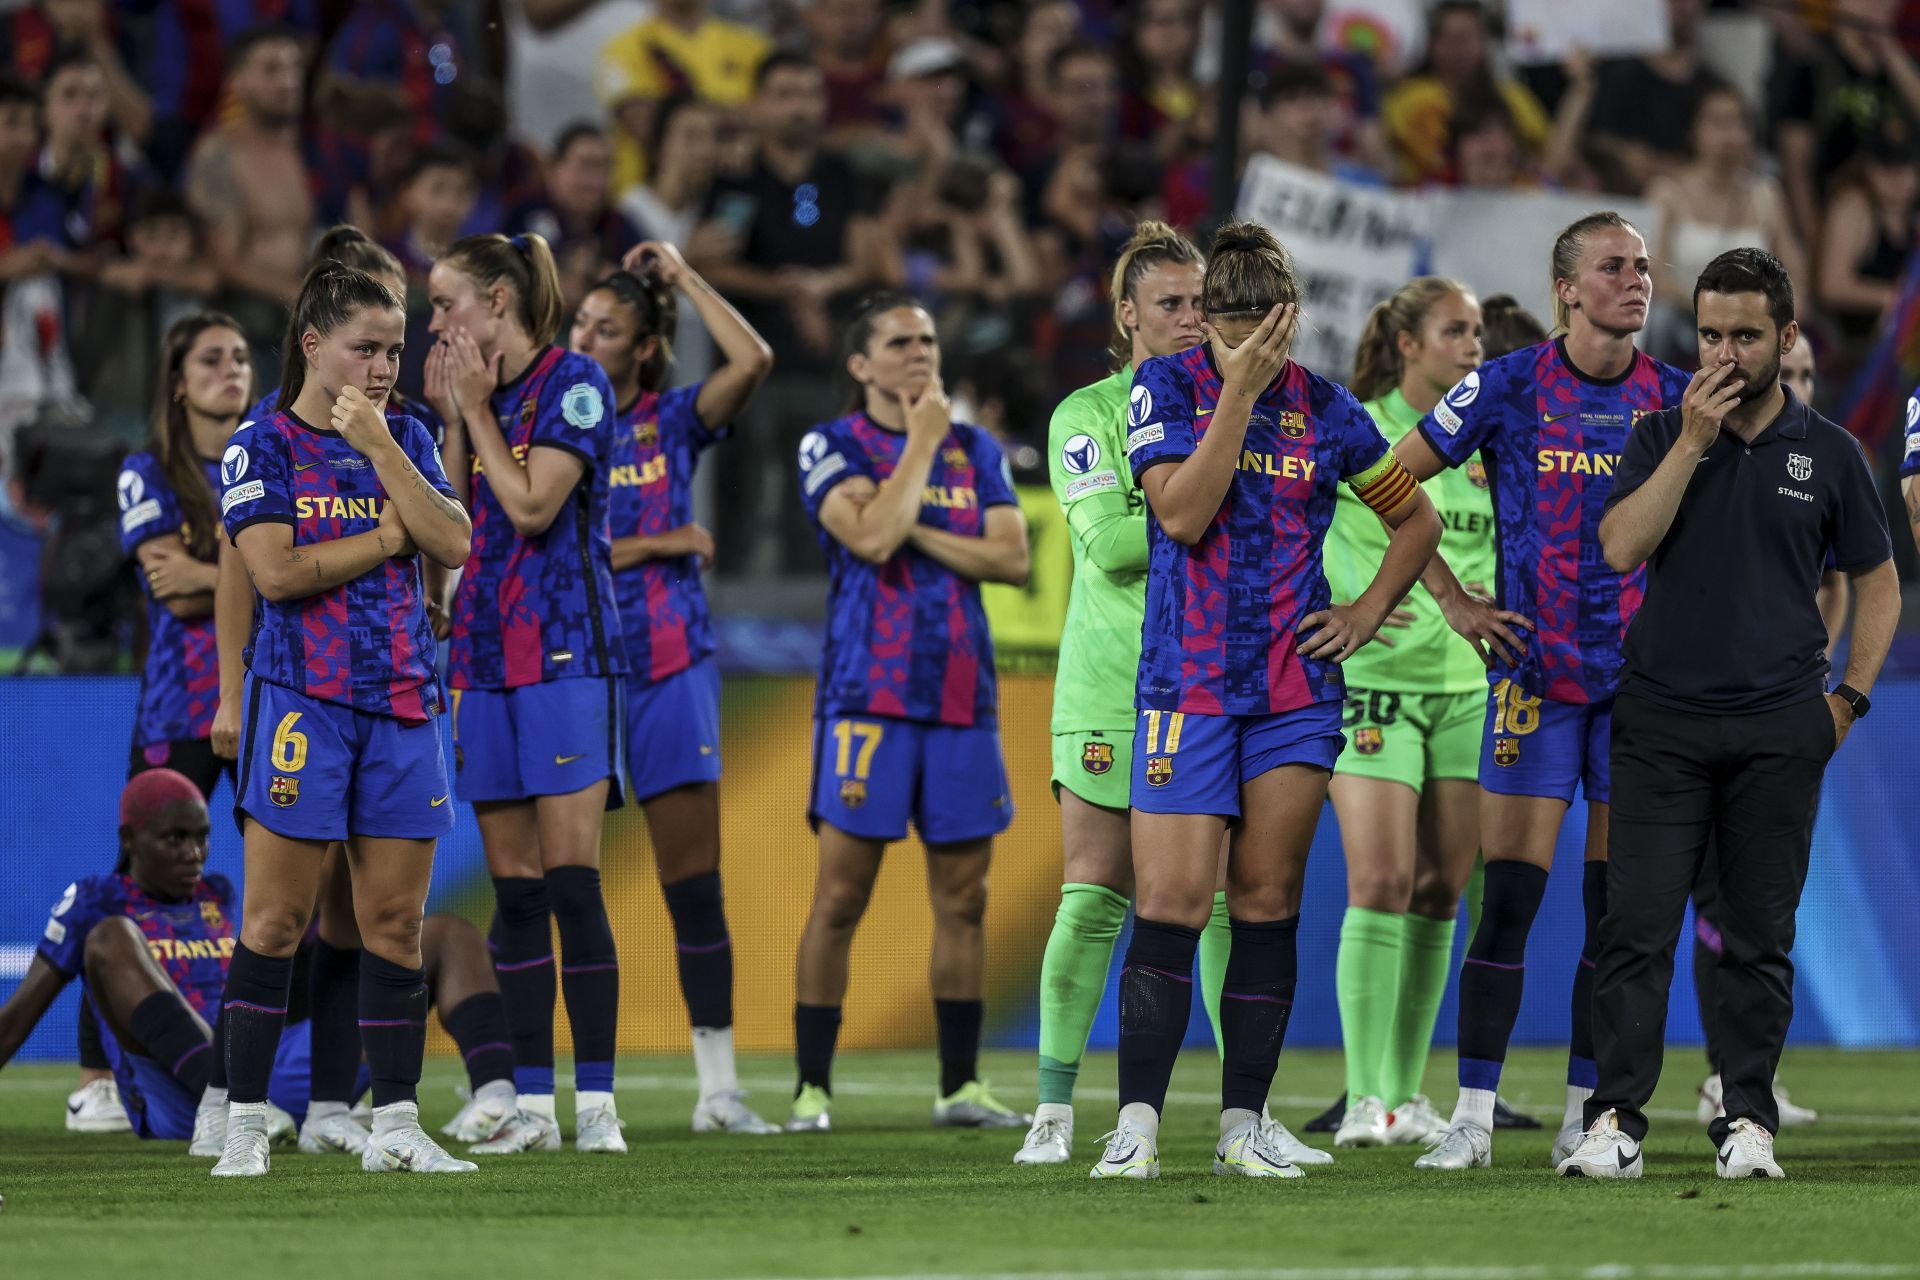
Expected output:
{"points": [[180, 684], [907, 638], [364, 644], [656, 445], [1223, 616], [185, 62], [530, 610], [386, 42], [191, 941], [1910, 451], [1552, 437], [398, 409]]}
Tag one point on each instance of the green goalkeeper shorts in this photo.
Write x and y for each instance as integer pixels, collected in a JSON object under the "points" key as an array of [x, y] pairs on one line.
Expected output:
{"points": [[1095, 764], [1408, 737]]}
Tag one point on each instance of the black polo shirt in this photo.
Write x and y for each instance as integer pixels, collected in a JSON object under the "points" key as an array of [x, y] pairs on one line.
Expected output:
{"points": [[1729, 624]]}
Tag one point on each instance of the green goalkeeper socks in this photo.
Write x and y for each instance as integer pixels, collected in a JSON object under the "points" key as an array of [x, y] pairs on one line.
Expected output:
{"points": [[1073, 977], [1366, 978]]}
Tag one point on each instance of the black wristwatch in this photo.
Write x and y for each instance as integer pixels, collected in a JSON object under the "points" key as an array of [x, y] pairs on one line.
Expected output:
{"points": [[1853, 698]]}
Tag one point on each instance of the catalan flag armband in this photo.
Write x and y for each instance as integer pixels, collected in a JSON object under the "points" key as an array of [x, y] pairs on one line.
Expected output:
{"points": [[1384, 485]]}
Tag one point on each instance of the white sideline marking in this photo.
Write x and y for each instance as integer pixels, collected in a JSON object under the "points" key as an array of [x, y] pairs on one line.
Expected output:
{"points": [[1606, 1271]]}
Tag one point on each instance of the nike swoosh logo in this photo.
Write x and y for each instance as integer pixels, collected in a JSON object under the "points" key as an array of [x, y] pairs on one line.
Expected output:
{"points": [[1201, 413], [1131, 1152], [73, 1108], [305, 466], [437, 803], [1556, 417], [569, 759], [1620, 1157]]}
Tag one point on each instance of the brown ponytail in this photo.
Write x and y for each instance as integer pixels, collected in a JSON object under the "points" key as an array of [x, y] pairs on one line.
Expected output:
{"points": [[330, 296], [524, 263], [172, 440], [1377, 364], [1153, 243]]}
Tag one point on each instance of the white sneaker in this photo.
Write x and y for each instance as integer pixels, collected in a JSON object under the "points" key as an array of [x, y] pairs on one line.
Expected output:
{"points": [[245, 1154], [1281, 1139], [1748, 1153], [522, 1131], [399, 1145], [1791, 1113], [597, 1132], [95, 1108], [1604, 1152], [1713, 1104], [483, 1113], [281, 1129], [973, 1106], [209, 1126], [1246, 1151], [1128, 1153], [1711, 1096], [1364, 1125], [336, 1134], [729, 1113], [1567, 1141], [1463, 1145], [1413, 1121], [1049, 1141]]}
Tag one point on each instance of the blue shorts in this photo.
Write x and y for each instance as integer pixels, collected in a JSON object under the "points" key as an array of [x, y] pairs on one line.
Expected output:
{"points": [[550, 739], [1187, 762], [313, 770], [872, 773], [673, 731], [1532, 747], [158, 1107]]}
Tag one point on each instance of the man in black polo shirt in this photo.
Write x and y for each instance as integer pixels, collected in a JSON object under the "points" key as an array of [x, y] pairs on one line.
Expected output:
{"points": [[1723, 727]]}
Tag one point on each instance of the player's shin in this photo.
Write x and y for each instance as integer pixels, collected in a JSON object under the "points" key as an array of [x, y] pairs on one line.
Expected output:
{"points": [[590, 974], [1156, 998], [1256, 1002], [1491, 982], [1073, 977], [393, 1028], [523, 960]]}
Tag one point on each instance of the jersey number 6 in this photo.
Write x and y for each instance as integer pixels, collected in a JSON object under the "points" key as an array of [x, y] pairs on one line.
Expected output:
{"points": [[289, 748]]}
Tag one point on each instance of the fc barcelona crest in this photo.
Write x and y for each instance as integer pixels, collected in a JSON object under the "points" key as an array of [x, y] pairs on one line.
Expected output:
{"points": [[1506, 751], [1097, 757], [1367, 741], [853, 792], [1477, 473], [1293, 425], [1159, 771], [210, 913], [283, 791]]}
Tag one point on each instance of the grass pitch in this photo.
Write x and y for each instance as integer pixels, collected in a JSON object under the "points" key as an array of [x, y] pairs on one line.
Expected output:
{"points": [[887, 1195]]}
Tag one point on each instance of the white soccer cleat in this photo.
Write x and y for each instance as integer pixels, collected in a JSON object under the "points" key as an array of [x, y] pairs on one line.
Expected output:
{"points": [[522, 1131], [484, 1113], [1281, 1139], [1364, 1125], [812, 1110], [1128, 1153], [95, 1108], [973, 1106], [1247, 1151], [1713, 1104], [1049, 1141], [209, 1126], [245, 1154], [1604, 1152], [1747, 1153], [1567, 1141], [1791, 1113], [1463, 1145], [1414, 1121], [728, 1112], [399, 1145], [596, 1131], [338, 1134], [281, 1128]]}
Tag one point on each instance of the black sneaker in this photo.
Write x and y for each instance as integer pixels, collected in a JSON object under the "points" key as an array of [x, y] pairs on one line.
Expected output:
{"points": [[1505, 1117], [1328, 1121]]}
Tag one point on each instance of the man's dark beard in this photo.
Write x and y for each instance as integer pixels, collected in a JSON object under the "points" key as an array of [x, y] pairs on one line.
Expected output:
{"points": [[1762, 383]]}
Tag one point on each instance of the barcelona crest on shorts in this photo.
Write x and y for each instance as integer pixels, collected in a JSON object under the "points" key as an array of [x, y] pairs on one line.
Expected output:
{"points": [[1293, 425], [1477, 472], [1159, 771], [853, 792], [283, 791], [1097, 757], [1506, 751], [1367, 741]]}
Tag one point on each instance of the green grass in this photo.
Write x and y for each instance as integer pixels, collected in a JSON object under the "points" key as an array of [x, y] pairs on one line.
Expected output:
{"points": [[886, 1195]]}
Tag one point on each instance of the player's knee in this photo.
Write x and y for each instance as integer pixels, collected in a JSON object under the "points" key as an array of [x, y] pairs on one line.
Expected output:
{"points": [[111, 944], [962, 904], [839, 906], [1387, 889], [1433, 897], [273, 928], [392, 926], [1262, 901]]}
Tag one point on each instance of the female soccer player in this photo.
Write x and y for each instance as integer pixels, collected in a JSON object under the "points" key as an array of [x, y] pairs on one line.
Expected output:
{"points": [[328, 503], [913, 511], [627, 322], [536, 660], [1156, 312], [1552, 420], [1405, 788], [1238, 451]]}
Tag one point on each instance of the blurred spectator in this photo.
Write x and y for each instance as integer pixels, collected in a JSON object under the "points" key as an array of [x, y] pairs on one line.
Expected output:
{"points": [[681, 49], [686, 156], [966, 253], [553, 44], [1298, 120], [1868, 232], [436, 197], [29, 247], [511, 173], [847, 39], [1083, 102], [1857, 81], [247, 182], [1642, 107], [1506, 326], [576, 214], [391, 57], [34, 36], [1026, 132], [1290, 33], [1484, 150], [1458, 69], [1719, 200], [79, 190], [1162, 93]]}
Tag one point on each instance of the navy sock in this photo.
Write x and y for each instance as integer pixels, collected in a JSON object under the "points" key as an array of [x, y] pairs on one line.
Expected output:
{"points": [[523, 961], [93, 1054], [1581, 1070], [959, 1023], [478, 1026], [393, 1027], [704, 949], [255, 1011], [1255, 1002], [172, 1037], [333, 979], [217, 1058], [589, 972], [815, 1029], [1156, 998], [1496, 969]]}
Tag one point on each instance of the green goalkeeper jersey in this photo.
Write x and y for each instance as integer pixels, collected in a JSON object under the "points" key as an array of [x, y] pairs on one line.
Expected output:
{"points": [[1427, 657], [1107, 515]]}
